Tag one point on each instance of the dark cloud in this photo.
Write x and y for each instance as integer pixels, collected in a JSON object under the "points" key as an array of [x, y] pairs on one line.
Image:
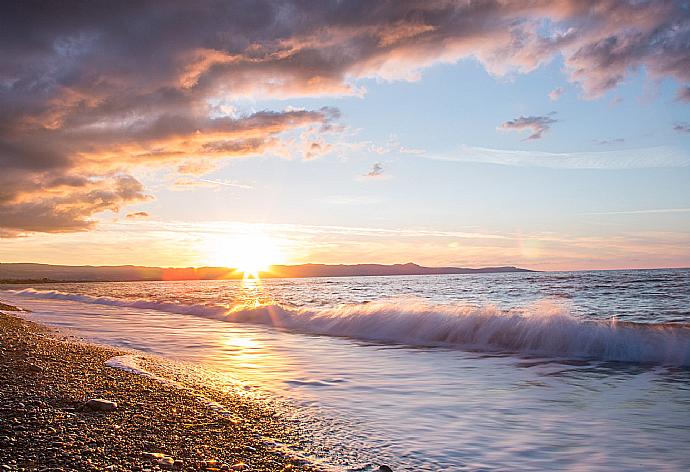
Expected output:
{"points": [[538, 125], [682, 127], [91, 90], [57, 211]]}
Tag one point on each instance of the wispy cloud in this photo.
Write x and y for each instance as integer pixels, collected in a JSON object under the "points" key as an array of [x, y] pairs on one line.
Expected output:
{"points": [[137, 215], [656, 157], [210, 183], [641, 212], [538, 125], [556, 94], [182, 243], [221, 227], [605, 142], [351, 200], [228, 183], [682, 127]]}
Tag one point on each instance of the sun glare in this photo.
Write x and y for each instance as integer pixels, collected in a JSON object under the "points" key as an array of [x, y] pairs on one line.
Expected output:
{"points": [[248, 254]]}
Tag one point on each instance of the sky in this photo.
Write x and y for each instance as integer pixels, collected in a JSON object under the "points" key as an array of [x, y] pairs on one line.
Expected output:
{"points": [[551, 135]]}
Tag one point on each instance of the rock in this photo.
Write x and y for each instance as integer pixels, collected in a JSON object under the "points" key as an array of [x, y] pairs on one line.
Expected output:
{"points": [[161, 459], [384, 468], [99, 404], [239, 466], [178, 465]]}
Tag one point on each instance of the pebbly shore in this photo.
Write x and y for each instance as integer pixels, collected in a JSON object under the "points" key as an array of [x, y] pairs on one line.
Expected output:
{"points": [[47, 379]]}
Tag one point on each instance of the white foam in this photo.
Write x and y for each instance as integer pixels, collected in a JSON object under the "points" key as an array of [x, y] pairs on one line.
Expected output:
{"points": [[544, 329], [170, 307]]}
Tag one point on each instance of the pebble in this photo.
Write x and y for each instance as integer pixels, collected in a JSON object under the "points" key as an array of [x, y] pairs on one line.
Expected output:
{"points": [[99, 404], [160, 458], [384, 468]]}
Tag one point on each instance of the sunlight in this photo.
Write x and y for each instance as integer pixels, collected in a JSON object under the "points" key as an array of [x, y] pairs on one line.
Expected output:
{"points": [[249, 254]]}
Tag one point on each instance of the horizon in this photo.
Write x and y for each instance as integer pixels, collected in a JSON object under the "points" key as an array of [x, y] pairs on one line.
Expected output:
{"points": [[336, 264], [553, 136]]}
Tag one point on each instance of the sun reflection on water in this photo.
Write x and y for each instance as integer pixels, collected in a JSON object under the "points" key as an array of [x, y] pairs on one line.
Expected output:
{"points": [[253, 293]]}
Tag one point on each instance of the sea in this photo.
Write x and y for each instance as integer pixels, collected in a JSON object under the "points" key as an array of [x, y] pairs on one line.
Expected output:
{"points": [[514, 371]]}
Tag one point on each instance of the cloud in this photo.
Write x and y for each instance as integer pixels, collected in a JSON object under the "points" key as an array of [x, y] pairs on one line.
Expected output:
{"points": [[642, 212], [284, 49], [556, 93], [187, 183], [51, 177], [605, 142], [682, 127], [376, 170], [684, 94], [228, 183], [196, 167], [646, 158], [376, 173], [537, 124], [137, 215], [96, 90], [37, 206]]}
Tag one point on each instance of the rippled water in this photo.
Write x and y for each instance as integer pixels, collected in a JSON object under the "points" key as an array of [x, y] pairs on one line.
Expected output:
{"points": [[461, 372]]}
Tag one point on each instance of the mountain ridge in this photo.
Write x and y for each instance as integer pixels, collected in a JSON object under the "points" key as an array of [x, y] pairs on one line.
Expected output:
{"points": [[37, 272]]}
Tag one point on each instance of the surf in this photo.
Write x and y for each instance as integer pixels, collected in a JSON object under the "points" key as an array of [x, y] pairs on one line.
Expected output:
{"points": [[544, 328]]}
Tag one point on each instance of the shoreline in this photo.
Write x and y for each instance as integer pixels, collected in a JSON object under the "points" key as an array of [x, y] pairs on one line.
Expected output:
{"points": [[45, 380]]}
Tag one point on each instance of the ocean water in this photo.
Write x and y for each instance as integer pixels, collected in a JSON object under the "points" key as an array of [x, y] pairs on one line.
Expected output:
{"points": [[525, 371]]}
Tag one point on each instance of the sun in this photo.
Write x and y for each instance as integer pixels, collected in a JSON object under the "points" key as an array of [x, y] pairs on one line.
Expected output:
{"points": [[249, 254]]}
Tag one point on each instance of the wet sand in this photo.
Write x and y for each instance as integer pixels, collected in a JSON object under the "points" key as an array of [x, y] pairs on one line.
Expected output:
{"points": [[46, 378]]}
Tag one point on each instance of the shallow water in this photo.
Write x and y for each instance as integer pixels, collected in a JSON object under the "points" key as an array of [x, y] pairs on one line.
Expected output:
{"points": [[490, 372]]}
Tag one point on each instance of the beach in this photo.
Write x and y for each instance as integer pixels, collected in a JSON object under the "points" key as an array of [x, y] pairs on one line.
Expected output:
{"points": [[46, 378]]}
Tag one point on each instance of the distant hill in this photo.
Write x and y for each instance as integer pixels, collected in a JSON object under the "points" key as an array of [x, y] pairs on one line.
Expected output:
{"points": [[341, 270], [37, 273]]}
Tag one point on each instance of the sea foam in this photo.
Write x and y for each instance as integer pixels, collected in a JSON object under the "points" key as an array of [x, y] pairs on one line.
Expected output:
{"points": [[543, 329]]}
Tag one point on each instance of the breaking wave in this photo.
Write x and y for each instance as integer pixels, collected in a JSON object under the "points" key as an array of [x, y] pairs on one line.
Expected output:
{"points": [[544, 328]]}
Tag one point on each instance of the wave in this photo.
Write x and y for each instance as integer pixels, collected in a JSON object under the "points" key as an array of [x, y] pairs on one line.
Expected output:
{"points": [[543, 329], [203, 310]]}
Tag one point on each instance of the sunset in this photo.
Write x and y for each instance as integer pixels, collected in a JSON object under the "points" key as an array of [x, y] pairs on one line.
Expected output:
{"points": [[250, 254], [345, 235]]}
